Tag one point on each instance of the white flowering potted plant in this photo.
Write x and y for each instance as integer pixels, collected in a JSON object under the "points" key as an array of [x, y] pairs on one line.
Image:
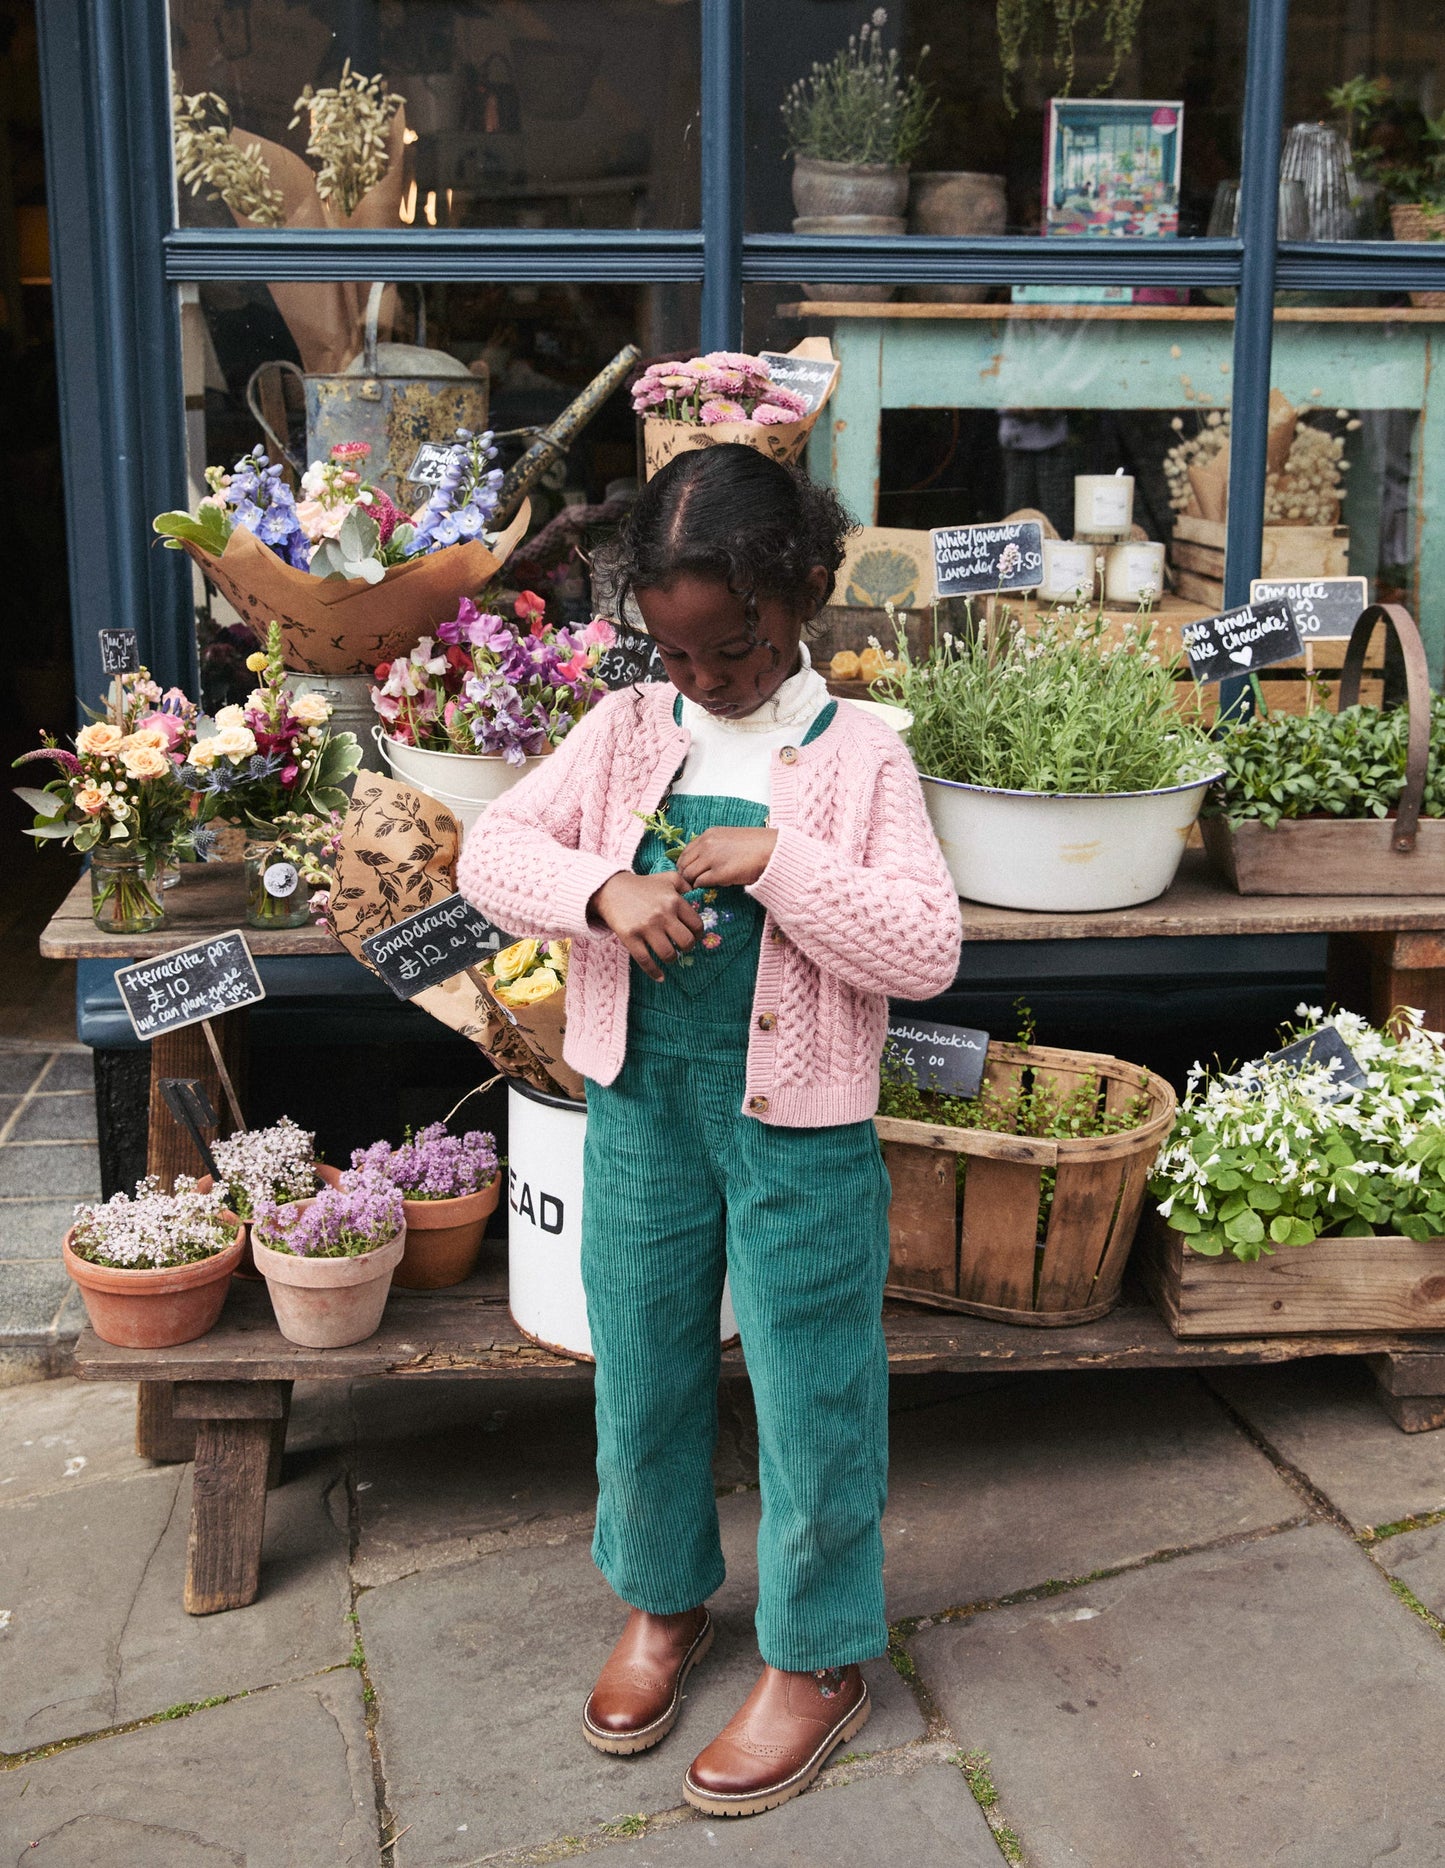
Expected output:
{"points": [[1058, 769], [153, 1267], [1293, 1197], [450, 1185], [275, 1164], [328, 1261]]}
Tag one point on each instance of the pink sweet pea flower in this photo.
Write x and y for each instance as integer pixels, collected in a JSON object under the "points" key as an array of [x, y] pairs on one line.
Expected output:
{"points": [[599, 633], [289, 775], [529, 604]]}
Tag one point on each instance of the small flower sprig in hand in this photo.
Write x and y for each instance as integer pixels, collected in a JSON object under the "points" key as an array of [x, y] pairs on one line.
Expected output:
{"points": [[152, 1231], [663, 828], [341, 1222], [277, 1164], [432, 1164]]}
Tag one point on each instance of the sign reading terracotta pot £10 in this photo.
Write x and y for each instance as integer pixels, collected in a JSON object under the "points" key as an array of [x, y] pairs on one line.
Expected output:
{"points": [[969, 558], [1240, 641], [946, 1058], [433, 945], [189, 984]]}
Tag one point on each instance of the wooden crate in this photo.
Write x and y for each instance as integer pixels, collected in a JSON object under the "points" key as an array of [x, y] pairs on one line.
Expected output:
{"points": [[1335, 1285], [1326, 856], [1197, 554], [979, 1251]]}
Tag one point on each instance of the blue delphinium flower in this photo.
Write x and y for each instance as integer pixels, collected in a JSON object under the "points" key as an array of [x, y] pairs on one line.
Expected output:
{"points": [[262, 502], [465, 499]]}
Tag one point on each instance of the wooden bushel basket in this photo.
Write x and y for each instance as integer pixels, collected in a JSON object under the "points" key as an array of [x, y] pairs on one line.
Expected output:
{"points": [[1396, 855], [978, 1251]]}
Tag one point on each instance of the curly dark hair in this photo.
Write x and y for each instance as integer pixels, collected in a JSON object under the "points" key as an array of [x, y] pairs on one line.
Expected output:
{"points": [[731, 513]]}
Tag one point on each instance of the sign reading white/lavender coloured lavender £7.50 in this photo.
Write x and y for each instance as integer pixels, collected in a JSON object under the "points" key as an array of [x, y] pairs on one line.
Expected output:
{"points": [[1240, 641], [970, 558], [190, 983]]}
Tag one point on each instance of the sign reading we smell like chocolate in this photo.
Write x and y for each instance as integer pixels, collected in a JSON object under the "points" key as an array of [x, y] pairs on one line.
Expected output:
{"points": [[1240, 641]]}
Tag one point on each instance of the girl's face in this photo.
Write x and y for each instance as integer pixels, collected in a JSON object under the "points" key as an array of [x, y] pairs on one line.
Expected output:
{"points": [[711, 654]]}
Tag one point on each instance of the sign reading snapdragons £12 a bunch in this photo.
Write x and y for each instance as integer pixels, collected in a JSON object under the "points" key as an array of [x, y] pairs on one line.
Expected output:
{"points": [[968, 559], [433, 945]]}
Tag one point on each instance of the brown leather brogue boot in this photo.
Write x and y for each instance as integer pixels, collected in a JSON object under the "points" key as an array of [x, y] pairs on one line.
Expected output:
{"points": [[778, 1741], [635, 1702]]}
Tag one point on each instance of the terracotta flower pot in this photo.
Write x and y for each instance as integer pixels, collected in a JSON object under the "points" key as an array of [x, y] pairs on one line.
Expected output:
{"points": [[821, 187], [247, 1266], [324, 1303], [154, 1309], [444, 1238]]}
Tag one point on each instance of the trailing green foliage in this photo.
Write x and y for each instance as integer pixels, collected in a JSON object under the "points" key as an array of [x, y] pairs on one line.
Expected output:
{"points": [[1349, 764]]}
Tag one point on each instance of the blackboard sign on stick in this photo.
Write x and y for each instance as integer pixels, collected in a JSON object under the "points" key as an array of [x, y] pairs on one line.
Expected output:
{"points": [[1008, 556], [945, 1058], [429, 464], [633, 657], [1240, 641], [190, 984], [119, 652], [433, 945], [809, 377], [1323, 606], [188, 1102], [1324, 1046]]}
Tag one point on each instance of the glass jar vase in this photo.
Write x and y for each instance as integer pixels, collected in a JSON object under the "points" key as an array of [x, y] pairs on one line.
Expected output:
{"points": [[125, 894], [276, 894]]}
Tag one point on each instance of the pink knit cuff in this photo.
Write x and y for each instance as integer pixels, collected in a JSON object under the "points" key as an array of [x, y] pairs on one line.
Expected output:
{"points": [[581, 877], [791, 877]]}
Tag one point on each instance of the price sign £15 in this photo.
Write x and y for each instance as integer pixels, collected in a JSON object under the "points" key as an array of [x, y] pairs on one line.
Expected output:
{"points": [[948, 1059]]}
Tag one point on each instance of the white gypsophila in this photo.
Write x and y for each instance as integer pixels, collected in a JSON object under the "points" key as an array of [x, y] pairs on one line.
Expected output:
{"points": [[151, 1230], [278, 1163]]}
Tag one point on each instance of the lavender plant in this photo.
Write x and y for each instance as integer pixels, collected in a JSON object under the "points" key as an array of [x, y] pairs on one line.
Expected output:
{"points": [[275, 1164], [430, 1165], [151, 1230], [341, 1222]]}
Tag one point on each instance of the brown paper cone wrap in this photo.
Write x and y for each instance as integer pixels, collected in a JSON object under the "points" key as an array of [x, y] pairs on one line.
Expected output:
{"points": [[785, 441], [343, 625], [541, 1028]]}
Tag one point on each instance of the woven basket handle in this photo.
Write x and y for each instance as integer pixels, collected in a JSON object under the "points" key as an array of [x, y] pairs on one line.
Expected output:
{"points": [[1417, 699]]}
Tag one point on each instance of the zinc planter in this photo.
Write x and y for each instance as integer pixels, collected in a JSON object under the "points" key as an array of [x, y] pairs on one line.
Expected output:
{"points": [[444, 1238], [325, 1303], [154, 1309], [1069, 852], [848, 187], [466, 782]]}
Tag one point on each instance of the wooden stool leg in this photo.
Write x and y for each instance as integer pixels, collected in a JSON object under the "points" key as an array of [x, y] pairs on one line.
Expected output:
{"points": [[158, 1434], [278, 1438], [1411, 1389], [237, 1424]]}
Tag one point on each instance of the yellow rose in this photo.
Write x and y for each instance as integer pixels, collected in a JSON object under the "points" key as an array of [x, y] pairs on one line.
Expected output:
{"points": [[256, 663], [236, 742], [145, 762], [229, 718], [559, 956], [98, 739], [539, 985], [89, 800], [512, 962], [203, 753], [311, 709]]}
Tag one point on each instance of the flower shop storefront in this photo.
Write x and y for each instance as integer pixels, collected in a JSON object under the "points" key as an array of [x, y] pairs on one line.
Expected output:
{"points": [[1114, 328]]}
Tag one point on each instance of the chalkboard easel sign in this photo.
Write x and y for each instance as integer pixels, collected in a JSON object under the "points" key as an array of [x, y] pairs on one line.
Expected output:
{"points": [[812, 378], [1324, 1046], [430, 462], [433, 945], [119, 651], [971, 558], [1323, 606], [189, 984], [1241, 641], [948, 1059], [633, 657]]}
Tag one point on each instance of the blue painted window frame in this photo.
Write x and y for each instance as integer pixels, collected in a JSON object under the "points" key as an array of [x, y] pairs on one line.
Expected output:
{"points": [[118, 259]]}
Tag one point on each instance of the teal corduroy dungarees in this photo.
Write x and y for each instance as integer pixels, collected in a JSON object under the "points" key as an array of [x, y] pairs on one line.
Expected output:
{"points": [[681, 1187]]}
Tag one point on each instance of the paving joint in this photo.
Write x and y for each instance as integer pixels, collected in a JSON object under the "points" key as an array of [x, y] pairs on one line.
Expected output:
{"points": [[978, 1777], [1323, 1506]]}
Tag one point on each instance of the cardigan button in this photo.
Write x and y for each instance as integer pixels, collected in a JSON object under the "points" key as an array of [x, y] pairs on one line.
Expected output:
{"points": [[767, 1020], [788, 755], [758, 1105], [776, 935]]}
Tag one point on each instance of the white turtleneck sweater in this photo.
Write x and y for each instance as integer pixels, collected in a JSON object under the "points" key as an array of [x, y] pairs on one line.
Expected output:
{"points": [[733, 758]]}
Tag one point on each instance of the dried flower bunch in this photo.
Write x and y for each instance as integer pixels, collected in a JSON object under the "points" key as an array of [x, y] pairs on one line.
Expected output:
{"points": [[530, 970], [349, 122], [207, 157], [275, 1164], [723, 386], [1272, 1155], [341, 1222], [860, 107], [432, 1164], [150, 1230], [1024, 27], [1306, 492]]}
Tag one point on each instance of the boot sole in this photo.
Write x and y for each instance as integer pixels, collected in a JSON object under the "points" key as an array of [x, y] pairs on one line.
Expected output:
{"points": [[626, 1744], [753, 1803]]}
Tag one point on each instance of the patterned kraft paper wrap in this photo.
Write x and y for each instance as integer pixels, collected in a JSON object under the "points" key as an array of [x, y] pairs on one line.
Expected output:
{"points": [[399, 855], [784, 441]]}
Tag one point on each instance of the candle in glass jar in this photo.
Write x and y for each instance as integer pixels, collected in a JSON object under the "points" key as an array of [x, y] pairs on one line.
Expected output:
{"points": [[1134, 573], [1068, 570], [1103, 506]]}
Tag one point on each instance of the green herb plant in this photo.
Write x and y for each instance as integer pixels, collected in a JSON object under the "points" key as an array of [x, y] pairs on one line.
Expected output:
{"points": [[1323, 764], [860, 107], [673, 840]]}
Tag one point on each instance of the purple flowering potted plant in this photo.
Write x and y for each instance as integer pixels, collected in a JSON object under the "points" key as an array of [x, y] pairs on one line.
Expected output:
{"points": [[469, 711], [276, 1163], [449, 1185], [328, 1262], [154, 1267]]}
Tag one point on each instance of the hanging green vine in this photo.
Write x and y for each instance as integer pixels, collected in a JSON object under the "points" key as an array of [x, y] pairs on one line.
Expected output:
{"points": [[1023, 29]]}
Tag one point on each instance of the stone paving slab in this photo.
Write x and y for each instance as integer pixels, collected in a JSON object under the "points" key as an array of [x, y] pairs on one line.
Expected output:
{"points": [[60, 1168], [64, 1116], [63, 1434], [34, 1228], [1418, 1559], [1266, 1703], [1324, 1419], [481, 1672], [1059, 1476], [19, 1070], [71, 1070], [926, 1819], [97, 1635], [278, 1780], [31, 1293]]}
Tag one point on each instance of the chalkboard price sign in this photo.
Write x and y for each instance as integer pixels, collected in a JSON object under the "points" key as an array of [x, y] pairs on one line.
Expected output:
{"points": [[433, 945], [190, 983], [1240, 641], [987, 557], [1323, 606], [945, 1058], [809, 377], [119, 652], [633, 657], [1324, 1046], [429, 464]]}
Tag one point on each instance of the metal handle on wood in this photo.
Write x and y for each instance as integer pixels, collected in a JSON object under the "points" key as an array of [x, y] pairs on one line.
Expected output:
{"points": [[1417, 700]]}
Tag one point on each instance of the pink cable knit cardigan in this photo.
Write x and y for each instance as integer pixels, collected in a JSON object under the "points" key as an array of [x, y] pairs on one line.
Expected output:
{"points": [[859, 903]]}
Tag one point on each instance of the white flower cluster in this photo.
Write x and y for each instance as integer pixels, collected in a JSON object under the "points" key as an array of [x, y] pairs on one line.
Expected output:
{"points": [[151, 1230], [267, 1164]]}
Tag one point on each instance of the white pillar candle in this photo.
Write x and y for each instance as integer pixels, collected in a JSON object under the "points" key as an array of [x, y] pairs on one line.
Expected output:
{"points": [[1103, 506], [1068, 570], [1133, 572]]}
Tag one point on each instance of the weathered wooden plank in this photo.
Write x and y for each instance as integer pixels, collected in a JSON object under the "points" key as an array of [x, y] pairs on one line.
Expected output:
{"points": [[1413, 1413], [1086, 1196], [231, 1400], [208, 899], [228, 1515], [998, 1243], [159, 1435], [1410, 1374], [1353, 855], [922, 1218]]}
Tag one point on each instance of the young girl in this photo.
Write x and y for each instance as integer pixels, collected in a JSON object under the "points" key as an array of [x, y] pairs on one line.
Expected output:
{"points": [[727, 1004]]}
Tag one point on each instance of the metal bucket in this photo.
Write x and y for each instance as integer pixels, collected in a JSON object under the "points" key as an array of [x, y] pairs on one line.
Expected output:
{"points": [[351, 710]]}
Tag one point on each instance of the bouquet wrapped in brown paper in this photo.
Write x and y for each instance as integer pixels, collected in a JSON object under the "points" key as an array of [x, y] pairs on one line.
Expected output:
{"points": [[728, 396], [398, 854], [528, 981]]}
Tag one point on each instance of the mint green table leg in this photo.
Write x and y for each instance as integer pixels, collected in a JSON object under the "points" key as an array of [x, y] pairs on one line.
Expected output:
{"points": [[844, 445], [1428, 513]]}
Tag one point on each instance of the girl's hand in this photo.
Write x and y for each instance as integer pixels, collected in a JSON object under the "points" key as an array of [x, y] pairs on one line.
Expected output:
{"points": [[726, 858], [649, 915]]}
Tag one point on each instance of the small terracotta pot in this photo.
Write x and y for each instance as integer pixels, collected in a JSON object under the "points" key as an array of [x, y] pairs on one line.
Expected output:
{"points": [[154, 1309], [247, 1266], [444, 1238], [324, 1303]]}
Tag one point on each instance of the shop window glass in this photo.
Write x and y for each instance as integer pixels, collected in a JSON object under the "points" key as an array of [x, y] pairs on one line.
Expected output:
{"points": [[1120, 142], [522, 113]]}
